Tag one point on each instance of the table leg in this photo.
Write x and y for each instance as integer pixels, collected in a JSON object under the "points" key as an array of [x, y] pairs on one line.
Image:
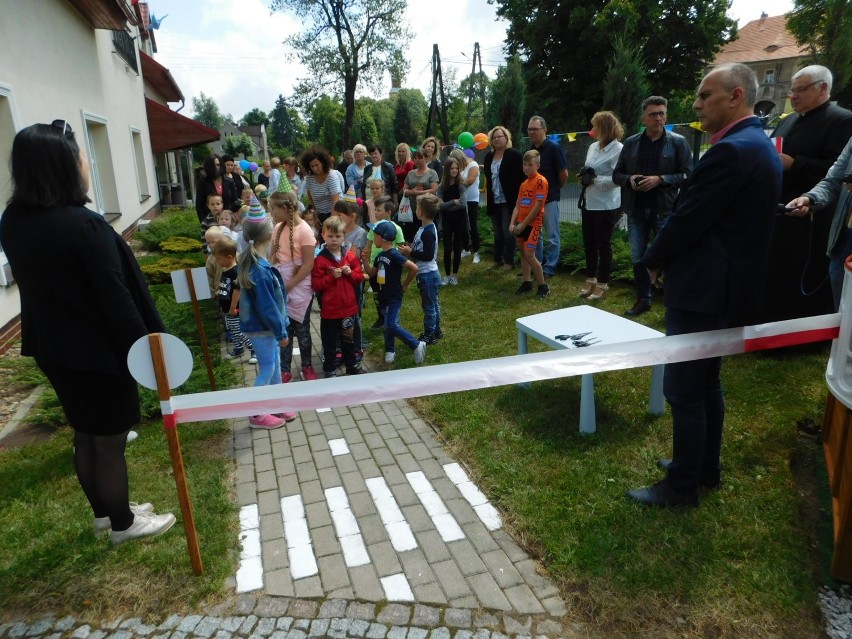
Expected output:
{"points": [[657, 403], [522, 350], [587, 404]]}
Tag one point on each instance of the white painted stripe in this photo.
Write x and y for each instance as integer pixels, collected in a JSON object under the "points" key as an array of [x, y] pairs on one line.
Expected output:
{"points": [[484, 510], [250, 571], [346, 527], [303, 563], [323, 410], [445, 523], [338, 447], [394, 522], [396, 588]]}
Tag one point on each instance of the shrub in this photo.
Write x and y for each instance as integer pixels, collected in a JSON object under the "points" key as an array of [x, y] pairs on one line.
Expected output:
{"points": [[179, 223], [159, 272], [180, 244]]}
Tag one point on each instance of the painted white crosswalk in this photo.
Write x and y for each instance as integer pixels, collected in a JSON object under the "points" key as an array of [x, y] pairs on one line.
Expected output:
{"points": [[489, 515], [300, 551], [250, 572], [399, 532], [346, 527], [445, 523]]}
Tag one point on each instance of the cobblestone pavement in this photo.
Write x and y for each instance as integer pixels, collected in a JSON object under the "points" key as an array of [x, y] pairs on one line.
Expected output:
{"points": [[356, 523]]}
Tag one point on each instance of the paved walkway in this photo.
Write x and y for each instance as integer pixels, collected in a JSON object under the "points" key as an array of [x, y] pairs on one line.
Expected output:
{"points": [[355, 522]]}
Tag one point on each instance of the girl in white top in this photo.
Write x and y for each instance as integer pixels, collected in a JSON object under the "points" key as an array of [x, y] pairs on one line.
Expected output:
{"points": [[600, 202], [470, 179]]}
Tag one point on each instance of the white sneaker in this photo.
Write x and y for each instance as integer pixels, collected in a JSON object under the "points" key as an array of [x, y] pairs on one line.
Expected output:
{"points": [[445, 280], [454, 280], [144, 525], [476, 258], [131, 435], [253, 358], [389, 357], [465, 254], [103, 523], [420, 353]]}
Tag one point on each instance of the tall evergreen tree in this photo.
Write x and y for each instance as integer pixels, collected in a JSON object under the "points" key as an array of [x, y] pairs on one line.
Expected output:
{"points": [[508, 99], [207, 112], [626, 84]]}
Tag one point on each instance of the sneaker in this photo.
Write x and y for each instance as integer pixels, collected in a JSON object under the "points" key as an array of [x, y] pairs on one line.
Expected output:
{"points": [[355, 370], [429, 338], [454, 280], [438, 334], [236, 353], [103, 523], [286, 378], [389, 357], [476, 258], [420, 353], [465, 253], [132, 435], [526, 287], [445, 280], [308, 373], [268, 422], [144, 525], [329, 374], [287, 417], [377, 325], [543, 291], [252, 358]]}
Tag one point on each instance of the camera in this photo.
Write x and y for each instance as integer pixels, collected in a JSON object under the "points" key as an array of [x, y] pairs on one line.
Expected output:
{"points": [[847, 179], [586, 176]]}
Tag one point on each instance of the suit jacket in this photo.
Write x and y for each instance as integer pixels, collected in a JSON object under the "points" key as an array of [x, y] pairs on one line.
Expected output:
{"points": [[511, 177], [83, 298], [714, 245]]}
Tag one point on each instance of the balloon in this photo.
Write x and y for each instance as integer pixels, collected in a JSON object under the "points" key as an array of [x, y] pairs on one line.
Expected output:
{"points": [[465, 140], [591, 133], [469, 153], [480, 140], [252, 166], [244, 165]]}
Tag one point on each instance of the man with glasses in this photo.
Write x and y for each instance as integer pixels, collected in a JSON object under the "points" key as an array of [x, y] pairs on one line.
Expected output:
{"points": [[554, 168], [652, 167], [812, 139]]}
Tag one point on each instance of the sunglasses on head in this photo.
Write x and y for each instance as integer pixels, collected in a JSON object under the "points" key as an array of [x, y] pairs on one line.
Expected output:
{"points": [[64, 127]]}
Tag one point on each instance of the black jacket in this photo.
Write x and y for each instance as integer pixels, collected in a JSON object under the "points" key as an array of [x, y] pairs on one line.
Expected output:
{"points": [[391, 186], [511, 176]]}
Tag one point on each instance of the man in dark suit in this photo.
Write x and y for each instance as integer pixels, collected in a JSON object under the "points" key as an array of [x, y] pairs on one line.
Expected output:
{"points": [[713, 248]]}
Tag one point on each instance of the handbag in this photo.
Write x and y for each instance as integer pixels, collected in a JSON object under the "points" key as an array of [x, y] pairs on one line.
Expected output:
{"points": [[404, 212]]}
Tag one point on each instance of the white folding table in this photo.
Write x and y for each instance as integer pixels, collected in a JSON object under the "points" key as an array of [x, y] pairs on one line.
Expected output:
{"points": [[603, 326]]}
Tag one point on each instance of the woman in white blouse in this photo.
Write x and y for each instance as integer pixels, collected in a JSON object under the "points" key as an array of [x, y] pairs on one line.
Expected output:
{"points": [[600, 202]]}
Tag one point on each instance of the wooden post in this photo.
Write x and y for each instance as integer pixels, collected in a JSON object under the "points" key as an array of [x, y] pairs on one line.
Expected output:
{"points": [[196, 309], [178, 468]]}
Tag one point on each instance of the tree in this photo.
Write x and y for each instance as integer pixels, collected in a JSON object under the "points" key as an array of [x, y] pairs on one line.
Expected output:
{"points": [[364, 130], [345, 41], [236, 144], [508, 98], [255, 117], [825, 27], [457, 115], [207, 112], [286, 127], [324, 118], [409, 117], [626, 84], [564, 67]]}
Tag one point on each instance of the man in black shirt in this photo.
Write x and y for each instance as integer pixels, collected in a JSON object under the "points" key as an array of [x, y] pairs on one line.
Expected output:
{"points": [[554, 167]]}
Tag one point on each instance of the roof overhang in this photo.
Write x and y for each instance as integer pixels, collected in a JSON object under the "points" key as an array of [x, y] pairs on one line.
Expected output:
{"points": [[160, 78], [105, 14], [171, 131]]}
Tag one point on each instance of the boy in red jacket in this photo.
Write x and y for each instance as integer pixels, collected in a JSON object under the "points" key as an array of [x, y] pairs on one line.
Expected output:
{"points": [[336, 273]]}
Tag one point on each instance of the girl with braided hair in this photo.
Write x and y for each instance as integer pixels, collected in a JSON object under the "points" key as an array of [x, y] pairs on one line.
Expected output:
{"points": [[293, 243]]}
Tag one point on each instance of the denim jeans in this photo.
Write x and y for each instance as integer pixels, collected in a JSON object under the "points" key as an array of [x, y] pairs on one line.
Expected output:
{"points": [[641, 223], [836, 271], [393, 329], [693, 389], [547, 251], [504, 242], [428, 283], [302, 332], [268, 362]]}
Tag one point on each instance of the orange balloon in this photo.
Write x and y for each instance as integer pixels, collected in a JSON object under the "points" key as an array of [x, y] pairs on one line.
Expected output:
{"points": [[480, 140]]}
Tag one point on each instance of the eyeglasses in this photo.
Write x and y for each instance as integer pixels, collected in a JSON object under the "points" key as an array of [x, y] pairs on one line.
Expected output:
{"points": [[64, 127], [656, 114], [801, 90], [534, 128]]}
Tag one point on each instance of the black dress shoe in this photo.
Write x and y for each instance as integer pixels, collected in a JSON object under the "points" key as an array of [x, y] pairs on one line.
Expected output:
{"points": [[641, 306], [663, 495], [710, 483]]}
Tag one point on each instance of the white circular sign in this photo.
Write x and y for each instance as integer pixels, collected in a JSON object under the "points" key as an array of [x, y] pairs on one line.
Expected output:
{"points": [[176, 354]]}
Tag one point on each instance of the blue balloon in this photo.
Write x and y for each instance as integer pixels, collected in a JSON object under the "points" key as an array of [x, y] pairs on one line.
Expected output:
{"points": [[469, 153], [244, 165]]}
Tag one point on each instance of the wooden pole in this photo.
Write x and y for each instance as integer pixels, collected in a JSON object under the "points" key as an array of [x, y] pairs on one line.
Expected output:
{"points": [[178, 468], [196, 309]]}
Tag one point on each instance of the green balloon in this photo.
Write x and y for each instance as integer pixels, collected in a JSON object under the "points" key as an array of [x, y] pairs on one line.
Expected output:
{"points": [[466, 140]]}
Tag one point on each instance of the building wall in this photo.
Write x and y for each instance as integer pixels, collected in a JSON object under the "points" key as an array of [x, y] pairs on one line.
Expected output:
{"points": [[60, 67]]}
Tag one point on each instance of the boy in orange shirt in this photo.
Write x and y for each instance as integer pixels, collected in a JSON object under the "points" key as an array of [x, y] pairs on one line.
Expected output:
{"points": [[526, 223]]}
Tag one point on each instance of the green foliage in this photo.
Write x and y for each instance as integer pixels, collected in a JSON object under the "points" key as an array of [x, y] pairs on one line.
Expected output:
{"points": [[468, 96], [825, 28], [380, 113], [680, 106], [626, 84], [207, 112], [201, 152], [159, 272], [324, 117], [507, 99], [255, 117], [409, 119], [287, 130], [180, 244], [182, 222], [235, 145]]}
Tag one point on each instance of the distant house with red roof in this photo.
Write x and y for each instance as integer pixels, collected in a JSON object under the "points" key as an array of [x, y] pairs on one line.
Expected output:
{"points": [[767, 47]]}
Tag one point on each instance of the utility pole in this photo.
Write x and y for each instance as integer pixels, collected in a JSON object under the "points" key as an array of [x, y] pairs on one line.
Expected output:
{"points": [[437, 114], [476, 80]]}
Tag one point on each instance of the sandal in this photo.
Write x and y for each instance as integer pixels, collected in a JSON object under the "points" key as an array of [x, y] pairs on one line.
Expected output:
{"points": [[589, 288], [600, 292]]}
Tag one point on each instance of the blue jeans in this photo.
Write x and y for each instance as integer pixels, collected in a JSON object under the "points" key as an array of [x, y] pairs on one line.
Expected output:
{"points": [[547, 251], [694, 391], [393, 329], [836, 271], [268, 360], [428, 283], [640, 224]]}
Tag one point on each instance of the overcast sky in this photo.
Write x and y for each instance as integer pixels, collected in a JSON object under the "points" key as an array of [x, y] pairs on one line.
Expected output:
{"points": [[231, 49]]}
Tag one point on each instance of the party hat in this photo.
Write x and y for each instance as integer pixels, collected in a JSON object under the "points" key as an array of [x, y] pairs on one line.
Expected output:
{"points": [[284, 185], [256, 212], [350, 196]]}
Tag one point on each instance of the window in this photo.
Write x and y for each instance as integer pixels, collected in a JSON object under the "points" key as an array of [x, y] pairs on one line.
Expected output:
{"points": [[102, 188], [125, 47], [139, 159], [769, 76], [7, 136]]}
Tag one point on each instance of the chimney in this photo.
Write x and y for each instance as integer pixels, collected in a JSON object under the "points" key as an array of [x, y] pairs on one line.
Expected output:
{"points": [[762, 25]]}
